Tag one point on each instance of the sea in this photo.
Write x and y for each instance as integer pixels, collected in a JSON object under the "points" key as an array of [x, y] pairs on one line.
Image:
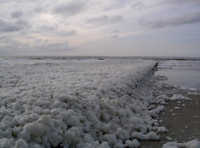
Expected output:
{"points": [[181, 73]]}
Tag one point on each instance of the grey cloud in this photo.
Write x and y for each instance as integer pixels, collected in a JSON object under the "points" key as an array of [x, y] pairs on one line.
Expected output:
{"points": [[13, 47], [10, 46], [2, 38], [103, 20], [6, 26], [17, 14], [181, 2], [116, 31], [174, 21], [115, 36], [57, 47], [118, 4], [68, 33], [70, 8], [49, 30], [138, 5], [48, 48]]}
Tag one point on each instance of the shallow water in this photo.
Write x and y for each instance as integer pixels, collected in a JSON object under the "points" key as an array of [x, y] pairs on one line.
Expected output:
{"points": [[185, 74]]}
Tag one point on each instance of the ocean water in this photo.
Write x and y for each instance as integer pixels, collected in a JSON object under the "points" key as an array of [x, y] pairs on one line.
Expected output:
{"points": [[185, 74]]}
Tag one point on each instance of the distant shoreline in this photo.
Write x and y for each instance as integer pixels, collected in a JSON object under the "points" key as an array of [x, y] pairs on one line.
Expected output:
{"points": [[161, 58]]}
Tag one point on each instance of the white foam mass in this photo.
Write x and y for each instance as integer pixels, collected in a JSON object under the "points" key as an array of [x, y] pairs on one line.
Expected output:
{"points": [[76, 103], [191, 144]]}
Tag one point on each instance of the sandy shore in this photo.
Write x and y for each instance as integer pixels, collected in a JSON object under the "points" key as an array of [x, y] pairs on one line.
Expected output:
{"points": [[182, 119]]}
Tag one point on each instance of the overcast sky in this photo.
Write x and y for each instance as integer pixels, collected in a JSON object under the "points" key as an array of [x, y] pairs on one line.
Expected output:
{"points": [[100, 27]]}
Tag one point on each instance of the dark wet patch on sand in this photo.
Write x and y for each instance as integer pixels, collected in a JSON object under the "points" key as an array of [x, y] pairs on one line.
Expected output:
{"points": [[182, 119]]}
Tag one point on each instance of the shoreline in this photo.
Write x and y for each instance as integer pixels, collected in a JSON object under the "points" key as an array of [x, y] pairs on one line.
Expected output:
{"points": [[182, 119], [156, 58]]}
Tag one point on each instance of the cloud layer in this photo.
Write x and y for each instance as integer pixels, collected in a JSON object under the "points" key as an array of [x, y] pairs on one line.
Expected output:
{"points": [[173, 21], [70, 8], [91, 27], [10, 26]]}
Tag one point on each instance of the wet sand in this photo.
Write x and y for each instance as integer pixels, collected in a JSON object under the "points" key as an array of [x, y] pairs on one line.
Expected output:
{"points": [[182, 119]]}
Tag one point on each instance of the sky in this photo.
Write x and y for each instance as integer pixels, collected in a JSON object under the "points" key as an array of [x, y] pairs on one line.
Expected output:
{"points": [[100, 27]]}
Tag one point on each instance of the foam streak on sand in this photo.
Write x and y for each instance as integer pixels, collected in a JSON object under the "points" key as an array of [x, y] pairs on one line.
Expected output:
{"points": [[190, 144], [76, 103]]}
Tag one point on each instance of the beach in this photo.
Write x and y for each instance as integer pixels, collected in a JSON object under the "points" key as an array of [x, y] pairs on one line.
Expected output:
{"points": [[182, 120], [91, 102], [180, 116]]}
